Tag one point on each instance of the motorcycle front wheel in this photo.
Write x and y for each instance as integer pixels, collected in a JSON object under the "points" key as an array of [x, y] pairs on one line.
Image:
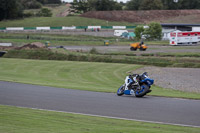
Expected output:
{"points": [[120, 91]]}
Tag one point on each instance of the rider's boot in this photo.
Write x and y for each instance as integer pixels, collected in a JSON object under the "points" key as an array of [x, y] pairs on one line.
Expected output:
{"points": [[149, 91]]}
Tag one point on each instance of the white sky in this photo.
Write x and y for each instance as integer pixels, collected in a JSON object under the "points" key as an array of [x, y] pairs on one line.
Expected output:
{"points": [[115, 0]]}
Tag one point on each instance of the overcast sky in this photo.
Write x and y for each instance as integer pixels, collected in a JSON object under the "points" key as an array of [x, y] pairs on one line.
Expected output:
{"points": [[115, 0]]}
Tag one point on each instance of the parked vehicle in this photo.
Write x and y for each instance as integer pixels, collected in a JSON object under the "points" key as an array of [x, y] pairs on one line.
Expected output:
{"points": [[184, 38], [137, 85], [120, 32]]}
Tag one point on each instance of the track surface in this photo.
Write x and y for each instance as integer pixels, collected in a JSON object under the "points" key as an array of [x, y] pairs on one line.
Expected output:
{"points": [[158, 109]]}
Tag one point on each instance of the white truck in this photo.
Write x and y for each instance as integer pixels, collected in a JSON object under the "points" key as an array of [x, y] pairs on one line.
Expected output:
{"points": [[184, 38]]}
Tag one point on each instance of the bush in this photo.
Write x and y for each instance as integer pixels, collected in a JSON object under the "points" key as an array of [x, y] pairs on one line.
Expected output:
{"points": [[28, 14], [44, 12], [154, 31], [93, 51], [138, 31]]}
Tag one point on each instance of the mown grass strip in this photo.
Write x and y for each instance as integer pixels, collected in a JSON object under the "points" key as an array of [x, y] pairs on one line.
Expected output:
{"points": [[183, 54], [102, 77], [24, 120], [60, 21]]}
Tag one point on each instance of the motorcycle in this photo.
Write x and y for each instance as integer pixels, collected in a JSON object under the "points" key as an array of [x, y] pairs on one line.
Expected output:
{"points": [[137, 85]]}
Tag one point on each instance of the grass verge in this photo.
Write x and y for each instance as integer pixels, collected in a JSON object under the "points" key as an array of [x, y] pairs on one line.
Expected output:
{"points": [[23, 120], [56, 39], [59, 39], [60, 21], [102, 77]]}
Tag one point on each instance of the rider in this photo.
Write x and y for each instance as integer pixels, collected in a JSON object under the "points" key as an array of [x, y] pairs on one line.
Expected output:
{"points": [[134, 79]]}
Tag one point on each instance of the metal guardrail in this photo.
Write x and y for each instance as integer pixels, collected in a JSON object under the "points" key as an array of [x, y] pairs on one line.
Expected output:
{"points": [[65, 28]]}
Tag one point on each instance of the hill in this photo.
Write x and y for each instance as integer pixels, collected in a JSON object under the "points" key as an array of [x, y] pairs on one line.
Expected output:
{"points": [[163, 16]]}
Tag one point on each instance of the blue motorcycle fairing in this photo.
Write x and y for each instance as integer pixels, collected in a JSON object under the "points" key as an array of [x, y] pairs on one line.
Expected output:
{"points": [[119, 89], [129, 92], [148, 81]]}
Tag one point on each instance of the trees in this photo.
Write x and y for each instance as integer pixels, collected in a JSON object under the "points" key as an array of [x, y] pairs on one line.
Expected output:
{"points": [[162, 4], [10, 9], [138, 31], [151, 5], [31, 4], [170, 5], [154, 31], [42, 1], [97, 5], [54, 2], [81, 5], [190, 4], [133, 5]]}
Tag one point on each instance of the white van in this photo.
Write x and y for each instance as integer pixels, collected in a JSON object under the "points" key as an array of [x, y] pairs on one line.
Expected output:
{"points": [[119, 32]]}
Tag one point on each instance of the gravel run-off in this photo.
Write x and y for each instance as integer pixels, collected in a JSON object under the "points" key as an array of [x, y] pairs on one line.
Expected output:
{"points": [[184, 79]]}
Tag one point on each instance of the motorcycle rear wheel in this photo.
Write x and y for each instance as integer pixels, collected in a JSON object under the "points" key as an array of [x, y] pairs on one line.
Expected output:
{"points": [[142, 92]]}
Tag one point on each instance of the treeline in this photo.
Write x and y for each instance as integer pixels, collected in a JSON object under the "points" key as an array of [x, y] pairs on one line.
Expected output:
{"points": [[109, 5], [162, 4], [96, 5], [12, 9]]}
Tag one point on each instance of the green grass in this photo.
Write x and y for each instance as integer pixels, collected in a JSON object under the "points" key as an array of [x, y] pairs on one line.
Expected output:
{"points": [[183, 54], [102, 77], [24, 120], [57, 9], [59, 21], [157, 42], [55, 39]]}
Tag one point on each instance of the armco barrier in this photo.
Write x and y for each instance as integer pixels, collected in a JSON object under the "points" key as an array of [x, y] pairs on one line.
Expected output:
{"points": [[106, 27], [29, 28], [3, 28], [119, 27], [56, 28], [66, 28], [81, 27], [14, 28], [130, 27], [69, 28], [42, 28], [94, 27]]}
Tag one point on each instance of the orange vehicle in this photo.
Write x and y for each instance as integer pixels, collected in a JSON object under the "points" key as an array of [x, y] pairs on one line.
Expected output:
{"points": [[135, 46]]}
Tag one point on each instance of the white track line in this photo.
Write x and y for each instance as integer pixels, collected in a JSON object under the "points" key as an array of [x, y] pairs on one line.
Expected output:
{"points": [[119, 118]]}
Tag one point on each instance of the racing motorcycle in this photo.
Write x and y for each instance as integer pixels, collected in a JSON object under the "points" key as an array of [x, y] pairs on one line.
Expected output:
{"points": [[137, 85]]}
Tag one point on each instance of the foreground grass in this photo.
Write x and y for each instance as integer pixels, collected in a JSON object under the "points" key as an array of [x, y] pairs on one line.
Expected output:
{"points": [[102, 77], [60, 21], [24, 120]]}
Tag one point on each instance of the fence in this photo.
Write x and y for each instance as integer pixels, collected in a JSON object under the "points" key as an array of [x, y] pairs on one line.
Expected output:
{"points": [[65, 28]]}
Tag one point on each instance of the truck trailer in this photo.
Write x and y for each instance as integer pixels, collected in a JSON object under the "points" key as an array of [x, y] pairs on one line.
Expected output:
{"points": [[184, 38]]}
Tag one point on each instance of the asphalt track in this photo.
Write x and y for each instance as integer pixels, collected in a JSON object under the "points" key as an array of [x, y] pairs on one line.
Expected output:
{"points": [[155, 109]]}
